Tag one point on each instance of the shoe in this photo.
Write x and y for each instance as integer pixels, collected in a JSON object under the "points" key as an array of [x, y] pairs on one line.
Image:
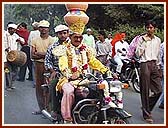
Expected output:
{"points": [[20, 80], [8, 89], [34, 86], [161, 106], [13, 87], [30, 79], [68, 121], [120, 105], [149, 120], [36, 112]]}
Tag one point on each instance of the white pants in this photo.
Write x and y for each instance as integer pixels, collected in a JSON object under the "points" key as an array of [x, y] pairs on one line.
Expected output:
{"points": [[119, 62]]}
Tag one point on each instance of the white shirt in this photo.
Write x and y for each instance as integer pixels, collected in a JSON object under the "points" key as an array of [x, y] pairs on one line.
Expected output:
{"points": [[10, 42], [149, 49], [33, 34], [108, 40], [103, 48], [123, 47]]}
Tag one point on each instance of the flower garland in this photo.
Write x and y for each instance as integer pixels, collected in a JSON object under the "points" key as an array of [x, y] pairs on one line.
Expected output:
{"points": [[75, 67]]}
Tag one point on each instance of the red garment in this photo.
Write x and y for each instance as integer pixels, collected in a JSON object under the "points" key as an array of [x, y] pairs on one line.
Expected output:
{"points": [[117, 37], [24, 33]]}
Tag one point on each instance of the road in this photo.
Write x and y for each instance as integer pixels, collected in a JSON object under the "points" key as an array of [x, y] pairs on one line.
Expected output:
{"points": [[20, 102]]}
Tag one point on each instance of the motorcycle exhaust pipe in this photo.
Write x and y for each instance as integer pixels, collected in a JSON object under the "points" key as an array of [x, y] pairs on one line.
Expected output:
{"points": [[48, 115]]}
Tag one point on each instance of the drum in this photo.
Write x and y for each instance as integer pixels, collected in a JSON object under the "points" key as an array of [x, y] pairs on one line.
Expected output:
{"points": [[18, 58]]}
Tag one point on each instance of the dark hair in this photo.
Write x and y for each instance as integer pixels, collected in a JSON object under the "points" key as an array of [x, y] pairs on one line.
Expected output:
{"points": [[23, 24], [153, 23], [101, 32], [10, 22]]}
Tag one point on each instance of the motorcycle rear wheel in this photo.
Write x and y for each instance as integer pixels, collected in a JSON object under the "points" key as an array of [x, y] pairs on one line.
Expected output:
{"points": [[136, 85]]}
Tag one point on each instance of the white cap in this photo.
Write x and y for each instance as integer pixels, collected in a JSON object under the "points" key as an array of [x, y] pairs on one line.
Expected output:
{"points": [[12, 26], [61, 28], [44, 23], [88, 29], [35, 24]]}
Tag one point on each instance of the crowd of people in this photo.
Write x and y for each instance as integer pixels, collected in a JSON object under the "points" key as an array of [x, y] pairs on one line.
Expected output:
{"points": [[73, 53]]}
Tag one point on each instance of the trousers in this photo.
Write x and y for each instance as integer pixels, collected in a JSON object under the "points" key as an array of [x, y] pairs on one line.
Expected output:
{"points": [[39, 70], [149, 81]]}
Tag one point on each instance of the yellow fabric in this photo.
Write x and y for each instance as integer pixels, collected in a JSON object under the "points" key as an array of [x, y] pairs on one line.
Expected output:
{"points": [[65, 65], [60, 83], [97, 65]]}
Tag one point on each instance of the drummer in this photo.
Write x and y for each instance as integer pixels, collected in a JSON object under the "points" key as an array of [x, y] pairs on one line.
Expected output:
{"points": [[12, 41]]}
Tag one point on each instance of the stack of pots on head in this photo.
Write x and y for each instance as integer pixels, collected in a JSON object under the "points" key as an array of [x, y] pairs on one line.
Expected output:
{"points": [[76, 16]]}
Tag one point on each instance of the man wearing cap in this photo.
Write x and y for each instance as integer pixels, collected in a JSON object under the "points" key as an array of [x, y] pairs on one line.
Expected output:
{"points": [[34, 33], [39, 49], [12, 41], [51, 62], [88, 38]]}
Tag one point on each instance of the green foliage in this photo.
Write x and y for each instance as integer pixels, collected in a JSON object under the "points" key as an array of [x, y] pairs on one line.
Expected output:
{"points": [[131, 32], [109, 17]]}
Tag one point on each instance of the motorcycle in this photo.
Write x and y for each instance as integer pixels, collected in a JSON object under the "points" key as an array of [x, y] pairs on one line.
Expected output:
{"points": [[90, 106], [129, 72]]}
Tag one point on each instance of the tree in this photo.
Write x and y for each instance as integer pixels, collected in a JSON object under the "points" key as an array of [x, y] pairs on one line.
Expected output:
{"points": [[35, 12], [109, 17]]}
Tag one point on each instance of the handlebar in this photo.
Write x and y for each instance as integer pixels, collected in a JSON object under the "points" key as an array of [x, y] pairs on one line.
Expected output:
{"points": [[89, 75]]}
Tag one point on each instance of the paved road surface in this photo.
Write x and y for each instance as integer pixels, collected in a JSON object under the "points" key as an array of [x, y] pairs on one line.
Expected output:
{"points": [[19, 103]]}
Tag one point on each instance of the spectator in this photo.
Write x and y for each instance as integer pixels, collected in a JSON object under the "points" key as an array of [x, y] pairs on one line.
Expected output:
{"points": [[12, 41], [39, 49], [103, 49], [24, 33], [88, 38], [109, 38], [149, 51], [35, 33]]}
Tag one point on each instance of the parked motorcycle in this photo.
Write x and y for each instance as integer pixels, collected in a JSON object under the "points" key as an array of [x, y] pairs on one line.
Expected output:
{"points": [[129, 73], [90, 106]]}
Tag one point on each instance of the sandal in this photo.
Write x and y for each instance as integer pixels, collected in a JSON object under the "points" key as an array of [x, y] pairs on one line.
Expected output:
{"points": [[37, 112], [149, 120]]}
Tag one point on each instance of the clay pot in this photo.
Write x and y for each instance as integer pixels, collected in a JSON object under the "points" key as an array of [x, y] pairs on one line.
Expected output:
{"points": [[82, 7], [73, 16]]}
